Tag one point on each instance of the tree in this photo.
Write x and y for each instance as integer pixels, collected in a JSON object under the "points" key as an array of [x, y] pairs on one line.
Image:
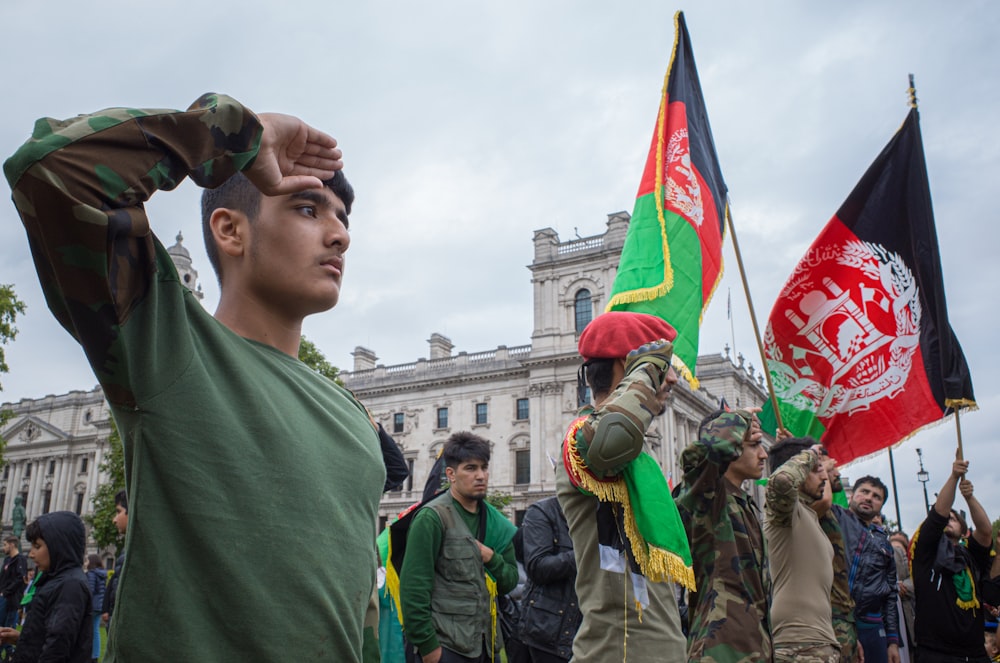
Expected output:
{"points": [[311, 356], [10, 308], [102, 529]]}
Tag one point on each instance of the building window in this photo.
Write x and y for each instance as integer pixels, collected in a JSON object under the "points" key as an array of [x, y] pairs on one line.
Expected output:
{"points": [[79, 504], [442, 417], [47, 501], [409, 477], [522, 466], [397, 422], [522, 409], [27, 471], [84, 463], [52, 467], [382, 521], [3, 500], [481, 413], [583, 307], [6, 471], [519, 516]]}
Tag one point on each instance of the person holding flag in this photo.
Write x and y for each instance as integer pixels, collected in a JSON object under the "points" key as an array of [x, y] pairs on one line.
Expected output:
{"points": [[947, 576]]}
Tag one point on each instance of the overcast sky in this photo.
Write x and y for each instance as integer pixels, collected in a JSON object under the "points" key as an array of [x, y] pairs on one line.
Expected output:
{"points": [[466, 126]]}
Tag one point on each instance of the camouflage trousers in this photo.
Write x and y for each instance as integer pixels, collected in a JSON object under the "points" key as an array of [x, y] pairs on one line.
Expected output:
{"points": [[847, 636], [806, 654]]}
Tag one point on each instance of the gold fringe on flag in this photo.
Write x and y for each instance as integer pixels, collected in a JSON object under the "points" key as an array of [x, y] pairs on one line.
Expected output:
{"points": [[656, 564]]}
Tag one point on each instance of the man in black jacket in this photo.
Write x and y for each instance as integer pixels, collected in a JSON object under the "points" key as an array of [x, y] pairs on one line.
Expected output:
{"points": [[550, 614], [12, 580], [948, 577], [872, 569]]}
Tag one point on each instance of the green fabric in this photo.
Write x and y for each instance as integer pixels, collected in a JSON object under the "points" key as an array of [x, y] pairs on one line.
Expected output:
{"points": [[840, 497], [642, 266], [236, 454], [653, 507], [800, 423]]}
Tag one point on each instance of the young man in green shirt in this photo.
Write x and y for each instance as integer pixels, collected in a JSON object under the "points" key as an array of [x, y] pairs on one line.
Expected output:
{"points": [[459, 558], [231, 443]]}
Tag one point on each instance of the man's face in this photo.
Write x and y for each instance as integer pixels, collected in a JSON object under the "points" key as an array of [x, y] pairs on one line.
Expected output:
{"points": [[470, 479], [296, 252], [833, 474], [866, 502], [40, 554], [120, 519], [815, 482], [751, 463]]}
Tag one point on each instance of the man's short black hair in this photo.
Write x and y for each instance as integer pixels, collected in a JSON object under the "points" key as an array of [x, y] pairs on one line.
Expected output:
{"points": [[13, 540], [464, 446], [781, 452], [239, 193], [600, 375], [873, 481], [121, 499], [33, 531]]}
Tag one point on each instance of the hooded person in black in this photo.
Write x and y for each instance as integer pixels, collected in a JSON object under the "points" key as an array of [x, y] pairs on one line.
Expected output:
{"points": [[57, 628]]}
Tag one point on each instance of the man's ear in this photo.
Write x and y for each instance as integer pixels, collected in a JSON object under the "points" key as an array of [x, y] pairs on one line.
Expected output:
{"points": [[449, 473], [229, 228]]}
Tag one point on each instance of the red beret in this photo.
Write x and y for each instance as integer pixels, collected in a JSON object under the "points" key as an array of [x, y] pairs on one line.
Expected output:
{"points": [[614, 334]]}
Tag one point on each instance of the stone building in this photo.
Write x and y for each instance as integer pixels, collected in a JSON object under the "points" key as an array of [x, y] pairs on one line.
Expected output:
{"points": [[523, 397], [519, 397]]}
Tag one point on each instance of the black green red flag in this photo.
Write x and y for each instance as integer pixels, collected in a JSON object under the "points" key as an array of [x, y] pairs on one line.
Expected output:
{"points": [[672, 259], [858, 344]]}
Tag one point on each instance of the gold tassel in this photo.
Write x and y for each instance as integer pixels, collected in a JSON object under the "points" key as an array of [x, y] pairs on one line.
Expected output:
{"points": [[491, 585]]}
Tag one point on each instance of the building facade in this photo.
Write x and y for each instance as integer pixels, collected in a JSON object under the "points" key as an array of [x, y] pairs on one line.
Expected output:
{"points": [[522, 398]]}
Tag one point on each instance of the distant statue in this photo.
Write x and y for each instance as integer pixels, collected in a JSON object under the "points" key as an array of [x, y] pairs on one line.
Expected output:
{"points": [[18, 516]]}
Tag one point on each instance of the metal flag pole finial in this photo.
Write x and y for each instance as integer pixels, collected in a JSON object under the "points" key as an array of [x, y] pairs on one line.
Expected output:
{"points": [[912, 92]]}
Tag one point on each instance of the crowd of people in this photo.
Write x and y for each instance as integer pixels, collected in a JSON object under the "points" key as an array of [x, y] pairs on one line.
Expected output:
{"points": [[232, 445]]}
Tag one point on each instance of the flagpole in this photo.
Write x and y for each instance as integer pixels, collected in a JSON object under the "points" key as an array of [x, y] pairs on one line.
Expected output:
{"points": [[958, 429], [895, 494], [753, 317]]}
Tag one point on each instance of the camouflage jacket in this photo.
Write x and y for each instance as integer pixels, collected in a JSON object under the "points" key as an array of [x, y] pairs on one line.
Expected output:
{"points": [[729, 612], [841, 602]]}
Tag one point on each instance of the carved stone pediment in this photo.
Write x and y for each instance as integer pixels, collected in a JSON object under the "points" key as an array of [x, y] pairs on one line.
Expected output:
{"points": [[29, 429]]}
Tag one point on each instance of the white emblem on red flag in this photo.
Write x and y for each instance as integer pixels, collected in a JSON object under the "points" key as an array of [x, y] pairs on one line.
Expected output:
{"points": [[856, 324], [683, 193]]}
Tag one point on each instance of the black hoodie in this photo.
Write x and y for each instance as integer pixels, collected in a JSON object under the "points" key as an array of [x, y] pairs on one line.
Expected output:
{"points": [[59, 626]]}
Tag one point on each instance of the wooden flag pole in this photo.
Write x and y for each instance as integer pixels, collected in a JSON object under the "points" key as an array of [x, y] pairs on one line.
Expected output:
{"points": [[958, 429], [753, 317]]}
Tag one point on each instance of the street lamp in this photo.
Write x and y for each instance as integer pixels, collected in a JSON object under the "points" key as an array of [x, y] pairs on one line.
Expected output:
{"points": [[923, 477]]}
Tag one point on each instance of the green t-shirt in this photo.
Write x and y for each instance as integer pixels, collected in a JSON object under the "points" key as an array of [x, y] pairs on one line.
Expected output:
{"points": [[253, 481]]}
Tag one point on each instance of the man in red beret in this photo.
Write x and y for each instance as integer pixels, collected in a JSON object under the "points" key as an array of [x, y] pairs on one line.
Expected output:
{"points": [[621, 517]]}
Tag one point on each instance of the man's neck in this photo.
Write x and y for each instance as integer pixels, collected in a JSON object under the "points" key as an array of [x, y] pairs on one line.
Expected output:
{"points": [[469, 504], [734, 479], [245, 317]]}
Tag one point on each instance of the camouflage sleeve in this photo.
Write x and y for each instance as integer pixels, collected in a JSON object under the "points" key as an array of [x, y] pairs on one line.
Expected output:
{"points": [[634, 398], [79, 186], [705, 460], [782, 492]]}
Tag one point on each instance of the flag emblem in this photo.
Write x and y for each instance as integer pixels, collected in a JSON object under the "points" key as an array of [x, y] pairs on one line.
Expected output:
{"points": [[854, 328]]}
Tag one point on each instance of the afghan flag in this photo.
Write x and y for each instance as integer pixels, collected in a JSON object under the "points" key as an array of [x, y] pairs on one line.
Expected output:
{"points": [[858, 343], [672, 258]]}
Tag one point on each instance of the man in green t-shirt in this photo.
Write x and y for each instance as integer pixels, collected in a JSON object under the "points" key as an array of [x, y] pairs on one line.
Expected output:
{"points": [[231, 443], [459, 558]]}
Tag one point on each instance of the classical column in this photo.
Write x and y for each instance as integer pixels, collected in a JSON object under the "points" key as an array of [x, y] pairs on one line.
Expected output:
{"points": [[65, 488]]}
